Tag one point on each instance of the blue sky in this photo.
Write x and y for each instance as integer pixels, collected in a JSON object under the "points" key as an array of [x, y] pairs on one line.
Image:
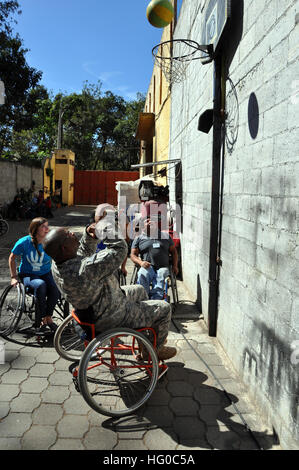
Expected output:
{"points": [[71, 41]]}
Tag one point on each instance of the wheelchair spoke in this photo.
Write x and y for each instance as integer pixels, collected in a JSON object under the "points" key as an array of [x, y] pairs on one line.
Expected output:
{"points": [[67, 342], [119, 382]]}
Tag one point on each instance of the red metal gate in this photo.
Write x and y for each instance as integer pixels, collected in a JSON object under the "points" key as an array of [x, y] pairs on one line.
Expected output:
{"points": [[96, 187]]}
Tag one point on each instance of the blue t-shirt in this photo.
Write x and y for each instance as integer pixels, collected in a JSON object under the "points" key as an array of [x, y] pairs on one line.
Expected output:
{"points": [[31, 261]]}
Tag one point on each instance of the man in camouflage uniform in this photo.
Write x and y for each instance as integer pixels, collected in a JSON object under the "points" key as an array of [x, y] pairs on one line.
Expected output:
{"points": [[88, 282]]}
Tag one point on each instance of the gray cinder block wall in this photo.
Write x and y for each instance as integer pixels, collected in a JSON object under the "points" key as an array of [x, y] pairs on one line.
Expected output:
{"points": [[14, 176], [258, 318]]}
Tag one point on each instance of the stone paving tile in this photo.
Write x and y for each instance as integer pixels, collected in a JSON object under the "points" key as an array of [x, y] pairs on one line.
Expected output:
{"points": [[221, 438], [184, 406], [10, 443], [160, 416], [47, 414], [192, 445], [34, 385], [188, 427], [159, 397], [15, 376], [26, 402], [39, 438], [180, 389], [130, 445], [221, 372], [41, 370], [210, 396], [62, 364], [67, 444], [98, 438], [55, 394], [23, 362], [76, 405], [4, 368], [160, 439], [133, 434], [95, 419], [30, 351], [11, 356], [15, 424], [9, 391], [60, 378], [47, 357], [72, 426], [4, 409]]}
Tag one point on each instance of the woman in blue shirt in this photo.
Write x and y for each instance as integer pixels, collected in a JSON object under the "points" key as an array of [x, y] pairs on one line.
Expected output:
{"points": [[35, 271]]}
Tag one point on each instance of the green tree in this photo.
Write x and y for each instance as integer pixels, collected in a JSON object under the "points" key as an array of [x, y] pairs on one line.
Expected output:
{"points": [[19, 80]]}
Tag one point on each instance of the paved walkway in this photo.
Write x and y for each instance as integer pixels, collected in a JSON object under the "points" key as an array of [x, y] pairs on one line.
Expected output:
{"points": [[200, 404]]}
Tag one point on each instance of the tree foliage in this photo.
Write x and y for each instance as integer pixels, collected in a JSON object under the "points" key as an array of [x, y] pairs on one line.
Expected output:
{"points": [[98, 126]]}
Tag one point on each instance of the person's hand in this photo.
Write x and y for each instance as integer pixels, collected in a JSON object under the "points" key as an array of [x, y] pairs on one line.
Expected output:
{"points": [[14, 281], [145, 264], [91, 230]]}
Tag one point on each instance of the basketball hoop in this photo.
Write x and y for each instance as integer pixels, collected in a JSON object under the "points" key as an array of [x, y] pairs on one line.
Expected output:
{"points": [[174, 56]]}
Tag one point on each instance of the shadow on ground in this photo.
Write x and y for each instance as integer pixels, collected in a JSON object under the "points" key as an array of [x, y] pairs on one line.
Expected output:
{"points": [[193, 414]]}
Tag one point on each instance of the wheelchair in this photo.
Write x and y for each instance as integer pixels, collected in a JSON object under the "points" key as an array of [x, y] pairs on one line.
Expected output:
{"points": [[3, 226], [18, 311], [118, 369], [170, 294]]}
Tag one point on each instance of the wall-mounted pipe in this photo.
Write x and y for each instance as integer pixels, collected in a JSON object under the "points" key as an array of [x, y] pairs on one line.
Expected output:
{"points": [[214, 261]]}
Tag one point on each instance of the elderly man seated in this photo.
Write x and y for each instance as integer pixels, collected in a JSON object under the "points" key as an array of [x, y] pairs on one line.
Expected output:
{"points": [[88, 281]]}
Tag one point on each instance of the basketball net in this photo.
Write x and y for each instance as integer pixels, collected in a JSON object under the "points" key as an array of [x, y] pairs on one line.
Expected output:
{"points": [[174, 57]]}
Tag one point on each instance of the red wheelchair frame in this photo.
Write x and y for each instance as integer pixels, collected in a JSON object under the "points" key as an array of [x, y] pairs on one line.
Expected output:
{"points": [[115, 346]]}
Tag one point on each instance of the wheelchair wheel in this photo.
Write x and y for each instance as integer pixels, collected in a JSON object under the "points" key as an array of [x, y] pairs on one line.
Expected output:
{"points": [[11, 308], [134, 275], [122, 279], [113, 378], [67, 342], [61, 310], [173, 285], [3, 227]]}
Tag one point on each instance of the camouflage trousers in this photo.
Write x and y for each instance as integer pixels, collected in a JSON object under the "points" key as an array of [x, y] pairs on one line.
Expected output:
{"points": [[135, 293], [141, 313]]}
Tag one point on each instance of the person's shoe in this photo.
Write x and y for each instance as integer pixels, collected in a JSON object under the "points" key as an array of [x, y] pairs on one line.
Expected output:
{"points": [[166, 352], [144, 355], [43, 330]]}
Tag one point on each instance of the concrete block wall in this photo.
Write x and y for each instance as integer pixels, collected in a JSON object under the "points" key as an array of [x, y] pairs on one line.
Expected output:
{"points": [[258, 321], [14, 176]]}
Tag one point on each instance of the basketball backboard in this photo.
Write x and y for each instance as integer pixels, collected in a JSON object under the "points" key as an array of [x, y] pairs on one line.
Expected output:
{"points": [[215, 20]]}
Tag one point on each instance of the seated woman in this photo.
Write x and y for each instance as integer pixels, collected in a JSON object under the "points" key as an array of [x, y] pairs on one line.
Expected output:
{"points": [[35, 272]]}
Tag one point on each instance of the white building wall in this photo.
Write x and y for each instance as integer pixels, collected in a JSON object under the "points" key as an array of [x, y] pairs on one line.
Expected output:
{"points": [[15, 176], [258, 321]]}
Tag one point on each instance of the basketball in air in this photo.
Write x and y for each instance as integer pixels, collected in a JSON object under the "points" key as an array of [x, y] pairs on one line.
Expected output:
{"points": [[160, 13]]}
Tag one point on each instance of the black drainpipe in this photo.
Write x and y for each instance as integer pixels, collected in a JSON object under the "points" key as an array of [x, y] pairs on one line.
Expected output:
{"points": [[214, 260]]}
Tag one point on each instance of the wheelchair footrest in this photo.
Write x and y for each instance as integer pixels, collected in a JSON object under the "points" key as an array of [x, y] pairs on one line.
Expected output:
{"points": [[73, 368]]}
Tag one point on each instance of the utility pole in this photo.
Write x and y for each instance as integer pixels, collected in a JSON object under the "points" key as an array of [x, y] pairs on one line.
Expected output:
{"points": [[60, 127]]}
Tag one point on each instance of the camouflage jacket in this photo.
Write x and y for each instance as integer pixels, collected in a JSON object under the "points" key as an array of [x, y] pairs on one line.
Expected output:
{"points": [[89, 279]]}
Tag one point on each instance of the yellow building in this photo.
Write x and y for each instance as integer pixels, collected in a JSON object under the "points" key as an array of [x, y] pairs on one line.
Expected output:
{"points": [[59, 171], [154, 123]]}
